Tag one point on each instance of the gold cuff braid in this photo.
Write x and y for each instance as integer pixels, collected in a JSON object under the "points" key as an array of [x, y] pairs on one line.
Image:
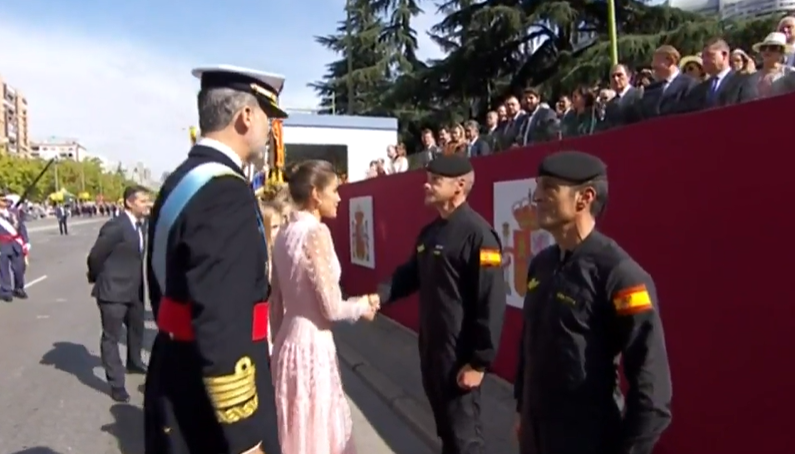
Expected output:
{"points": [[234, 396]]}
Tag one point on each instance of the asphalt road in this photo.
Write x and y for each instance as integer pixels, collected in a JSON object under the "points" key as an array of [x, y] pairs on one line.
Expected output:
{"points": [[52, 389]]}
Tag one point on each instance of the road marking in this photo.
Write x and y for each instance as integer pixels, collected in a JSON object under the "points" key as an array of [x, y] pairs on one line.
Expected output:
{"points": [[35, 281], [44, 228]]}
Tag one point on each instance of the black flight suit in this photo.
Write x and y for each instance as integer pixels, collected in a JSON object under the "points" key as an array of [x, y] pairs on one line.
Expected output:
{"points": [[582, 313], [456, 269], [216, 262]]}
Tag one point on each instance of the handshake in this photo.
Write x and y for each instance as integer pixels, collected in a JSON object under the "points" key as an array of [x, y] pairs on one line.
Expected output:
{"points": [[374, 303]]}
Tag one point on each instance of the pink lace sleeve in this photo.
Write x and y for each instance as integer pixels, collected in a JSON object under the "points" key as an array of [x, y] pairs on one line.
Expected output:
{"points": [[275, 306], [320, 257]]}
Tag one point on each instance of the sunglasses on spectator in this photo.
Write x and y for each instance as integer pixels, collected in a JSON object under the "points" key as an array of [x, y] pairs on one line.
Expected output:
{"points": [[689, 68], [771, 48]]}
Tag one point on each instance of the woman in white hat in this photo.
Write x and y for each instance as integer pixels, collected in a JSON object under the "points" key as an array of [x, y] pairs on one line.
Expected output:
{"points": [[773, 77], [693, 66]]}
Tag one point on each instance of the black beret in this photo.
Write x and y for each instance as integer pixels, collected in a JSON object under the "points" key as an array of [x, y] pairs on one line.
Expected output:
{"points": [[454, 165], [573, 166]]}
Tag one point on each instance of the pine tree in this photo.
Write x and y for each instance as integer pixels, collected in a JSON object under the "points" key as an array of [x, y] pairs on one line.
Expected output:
{"points": [[398, 34], [496, 47], [370, 64]]}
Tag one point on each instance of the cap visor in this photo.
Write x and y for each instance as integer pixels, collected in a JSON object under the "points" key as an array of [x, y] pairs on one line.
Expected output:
{"points": [[273, 111]]}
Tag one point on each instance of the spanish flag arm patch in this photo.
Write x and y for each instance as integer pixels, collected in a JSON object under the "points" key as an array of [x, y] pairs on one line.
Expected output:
{"points": [[632, 300], [490, 257]]}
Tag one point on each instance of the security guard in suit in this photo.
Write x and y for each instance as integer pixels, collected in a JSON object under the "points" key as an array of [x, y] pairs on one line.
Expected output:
{"points": [[588, 304], [208, 388]]}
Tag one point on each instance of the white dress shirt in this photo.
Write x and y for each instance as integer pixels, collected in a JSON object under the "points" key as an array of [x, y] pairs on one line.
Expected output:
{"points": [[670, 79], [135, 224], [223, 148], [721, 76]]}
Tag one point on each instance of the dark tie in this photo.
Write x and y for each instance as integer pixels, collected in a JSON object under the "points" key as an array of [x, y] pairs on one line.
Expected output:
{"points": [[713, 90]]}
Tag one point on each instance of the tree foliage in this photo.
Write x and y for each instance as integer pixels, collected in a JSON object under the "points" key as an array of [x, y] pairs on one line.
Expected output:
{"points": [[17, 174], [495, 47]]}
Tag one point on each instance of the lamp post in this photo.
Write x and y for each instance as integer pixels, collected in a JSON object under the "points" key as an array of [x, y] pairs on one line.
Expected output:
{"points": [[611, 30], [351, 108], [55, 172]]}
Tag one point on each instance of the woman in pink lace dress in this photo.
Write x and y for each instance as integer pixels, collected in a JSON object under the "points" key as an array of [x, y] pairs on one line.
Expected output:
{"points": [[313, 412]]}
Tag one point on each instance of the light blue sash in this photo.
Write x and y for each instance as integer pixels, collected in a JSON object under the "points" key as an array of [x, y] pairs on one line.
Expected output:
{"points": [[176, 201]]}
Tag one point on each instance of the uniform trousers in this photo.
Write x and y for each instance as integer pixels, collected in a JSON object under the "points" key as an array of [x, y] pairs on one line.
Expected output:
{"points": [[114, 316], [457, 416], [11, 264]]}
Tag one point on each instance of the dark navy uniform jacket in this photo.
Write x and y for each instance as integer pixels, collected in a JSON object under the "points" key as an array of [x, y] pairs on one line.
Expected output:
{"points": [[8, 245], [216, 263]]}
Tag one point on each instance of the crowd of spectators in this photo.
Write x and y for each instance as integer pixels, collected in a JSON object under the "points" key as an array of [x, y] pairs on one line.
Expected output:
{"points": [[672, 85]]}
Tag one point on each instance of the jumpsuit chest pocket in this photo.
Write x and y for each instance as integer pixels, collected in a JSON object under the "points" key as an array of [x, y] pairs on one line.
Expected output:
{"points": [[433, 259], [572, 305]]}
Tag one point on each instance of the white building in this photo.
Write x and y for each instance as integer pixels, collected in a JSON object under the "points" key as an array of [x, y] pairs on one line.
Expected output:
{"points": [[140, 174], [58, 148], [735, 9], [349, 142]]}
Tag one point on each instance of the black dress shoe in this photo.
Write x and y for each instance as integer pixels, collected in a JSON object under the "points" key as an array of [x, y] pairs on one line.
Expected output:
{"points": [[136, 369], [119, 395], [21, 294], [7, 298]]}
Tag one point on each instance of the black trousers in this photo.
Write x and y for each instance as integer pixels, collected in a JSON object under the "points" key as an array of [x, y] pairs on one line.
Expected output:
{"points": [[114, 316], [457, 415], [63, 227]]}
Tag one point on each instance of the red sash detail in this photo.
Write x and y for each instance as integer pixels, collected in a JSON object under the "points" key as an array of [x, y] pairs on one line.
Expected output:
{"points": [[176, 319]]}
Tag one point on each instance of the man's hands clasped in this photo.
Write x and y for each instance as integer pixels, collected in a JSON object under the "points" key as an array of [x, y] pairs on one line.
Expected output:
{"points": [[374, 303]]}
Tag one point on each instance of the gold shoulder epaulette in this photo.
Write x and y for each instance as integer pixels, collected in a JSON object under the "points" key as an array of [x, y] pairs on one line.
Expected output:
{"points": [[234, 396]]}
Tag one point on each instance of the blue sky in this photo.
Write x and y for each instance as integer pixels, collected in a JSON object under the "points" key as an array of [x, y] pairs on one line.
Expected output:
{"points": [[116, 75]]}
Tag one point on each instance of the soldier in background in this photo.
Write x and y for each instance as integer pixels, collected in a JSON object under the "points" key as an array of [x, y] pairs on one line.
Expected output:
{"points": [[588, 303], [14, 248]]}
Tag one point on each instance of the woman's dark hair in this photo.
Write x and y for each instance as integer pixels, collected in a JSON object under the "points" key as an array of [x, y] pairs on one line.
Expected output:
{"points": [[587, 95], [308, 175]]}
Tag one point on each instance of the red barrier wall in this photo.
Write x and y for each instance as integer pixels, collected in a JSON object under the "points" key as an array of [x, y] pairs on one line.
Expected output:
{"points": [[702, 202]]}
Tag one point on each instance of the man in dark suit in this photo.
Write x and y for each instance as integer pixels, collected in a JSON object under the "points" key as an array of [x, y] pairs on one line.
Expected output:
{"points": [[508, 130], [115, 267], [491, 132], [724, 87], [620, 110], [476, 145], [666, 95], [539, 122], [62, 214], [429, 150], [209, 386]]}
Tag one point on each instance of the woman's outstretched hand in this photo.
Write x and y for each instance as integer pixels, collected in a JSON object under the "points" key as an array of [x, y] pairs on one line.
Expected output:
{"points": [[374, 300], [375, 303]]}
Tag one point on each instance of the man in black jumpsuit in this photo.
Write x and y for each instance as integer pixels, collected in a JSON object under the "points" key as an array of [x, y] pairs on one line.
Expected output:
{"points": [[209, 387], [456, 267], [588, 304]]}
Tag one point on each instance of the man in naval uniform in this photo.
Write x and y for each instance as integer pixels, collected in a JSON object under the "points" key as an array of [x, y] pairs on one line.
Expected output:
{"points": [[14, 247], [208, 388]]}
